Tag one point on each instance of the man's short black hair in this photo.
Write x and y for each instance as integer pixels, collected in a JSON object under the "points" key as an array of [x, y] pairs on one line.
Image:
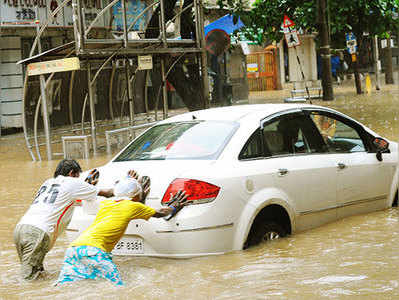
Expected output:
{"points": [[65, 166]]}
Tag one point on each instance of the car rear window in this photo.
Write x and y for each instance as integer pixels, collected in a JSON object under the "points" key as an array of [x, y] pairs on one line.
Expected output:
{"points": [[181, 140]]}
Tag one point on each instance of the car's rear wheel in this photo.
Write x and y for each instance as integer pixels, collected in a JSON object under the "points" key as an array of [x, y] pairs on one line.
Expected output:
{"points": [[264, 231]]}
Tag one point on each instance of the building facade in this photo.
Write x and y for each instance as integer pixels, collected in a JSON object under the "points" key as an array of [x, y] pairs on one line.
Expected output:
{"points": [[19, 22]]}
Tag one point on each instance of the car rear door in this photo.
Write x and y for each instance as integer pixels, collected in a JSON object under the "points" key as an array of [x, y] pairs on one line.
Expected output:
{"points": [[362, 181], [301, 168]]}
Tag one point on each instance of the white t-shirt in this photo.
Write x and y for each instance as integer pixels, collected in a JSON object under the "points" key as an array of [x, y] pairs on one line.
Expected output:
{"points": [[52, 207]]}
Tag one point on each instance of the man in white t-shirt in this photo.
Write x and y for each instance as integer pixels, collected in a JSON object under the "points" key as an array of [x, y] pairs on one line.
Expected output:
{"points": [[50, 213]]}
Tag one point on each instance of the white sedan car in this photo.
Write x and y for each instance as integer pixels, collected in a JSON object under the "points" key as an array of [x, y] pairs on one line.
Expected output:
{"points": [[253, 173]]}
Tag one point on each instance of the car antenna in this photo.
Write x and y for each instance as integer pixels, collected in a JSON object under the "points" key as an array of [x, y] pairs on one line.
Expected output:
{"points": [[194, 117]]}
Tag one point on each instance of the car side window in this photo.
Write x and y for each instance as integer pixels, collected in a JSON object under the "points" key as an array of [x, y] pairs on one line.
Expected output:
{"points": [[338, 136], [253, 147], [291, 134], [274, 140]]}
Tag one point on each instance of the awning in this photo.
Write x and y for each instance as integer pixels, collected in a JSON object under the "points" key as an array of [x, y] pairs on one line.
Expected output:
{"points": [[57, 52], [99, 49], [224, 23]]}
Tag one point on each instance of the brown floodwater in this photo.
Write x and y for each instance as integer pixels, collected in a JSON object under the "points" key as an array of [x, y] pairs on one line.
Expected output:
{"points": [[354, 258]]}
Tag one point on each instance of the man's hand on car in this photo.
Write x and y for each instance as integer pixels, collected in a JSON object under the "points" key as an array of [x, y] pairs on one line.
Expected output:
{"points": [[177, 202], [145, 183], [92, 177], [133, 174]]}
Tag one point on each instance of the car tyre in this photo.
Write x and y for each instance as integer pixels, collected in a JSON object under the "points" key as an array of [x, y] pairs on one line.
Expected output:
{"points": [[264, 231]]}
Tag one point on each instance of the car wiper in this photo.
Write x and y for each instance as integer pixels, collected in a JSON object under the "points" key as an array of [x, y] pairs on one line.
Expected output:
{"points": [[122, 159]]}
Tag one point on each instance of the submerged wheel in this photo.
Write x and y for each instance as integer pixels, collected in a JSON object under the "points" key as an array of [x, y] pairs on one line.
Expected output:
{"points": [[271, 235], [263, 232]]}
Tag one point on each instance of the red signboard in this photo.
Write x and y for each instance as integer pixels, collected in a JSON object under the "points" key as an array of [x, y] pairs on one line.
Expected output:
{"points": [[288, 22]]}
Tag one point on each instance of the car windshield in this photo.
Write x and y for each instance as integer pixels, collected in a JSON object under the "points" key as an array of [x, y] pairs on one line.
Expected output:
{"points": [[181, 140]]}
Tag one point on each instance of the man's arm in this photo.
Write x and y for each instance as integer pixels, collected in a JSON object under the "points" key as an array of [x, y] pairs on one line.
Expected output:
{"points": [[106, 193], [163, 212], [176, 203]]}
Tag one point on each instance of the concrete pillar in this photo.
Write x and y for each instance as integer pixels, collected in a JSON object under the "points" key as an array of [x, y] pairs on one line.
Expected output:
{"points": [[307, 56], [11, 82]]}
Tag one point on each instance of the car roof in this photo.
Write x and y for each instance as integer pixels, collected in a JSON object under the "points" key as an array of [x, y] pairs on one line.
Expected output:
{"points": [[238, 113]]}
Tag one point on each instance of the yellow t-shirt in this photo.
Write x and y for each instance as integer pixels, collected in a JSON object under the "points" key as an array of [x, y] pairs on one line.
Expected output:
{"points": [[111, 222]]}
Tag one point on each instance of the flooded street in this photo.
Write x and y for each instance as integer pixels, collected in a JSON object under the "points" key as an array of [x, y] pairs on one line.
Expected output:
{"points": [[354, 258]]}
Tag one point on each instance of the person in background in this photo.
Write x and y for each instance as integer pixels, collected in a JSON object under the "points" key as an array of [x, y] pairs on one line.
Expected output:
{"points": [[335, 66], [50, 213], [89, 256]]}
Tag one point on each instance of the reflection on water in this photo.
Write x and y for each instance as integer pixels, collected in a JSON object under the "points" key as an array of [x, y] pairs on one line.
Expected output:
{"points": [[354, 258]]}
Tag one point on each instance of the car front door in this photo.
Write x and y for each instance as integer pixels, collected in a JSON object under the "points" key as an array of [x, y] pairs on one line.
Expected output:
{"points": [[300, 167], [363, 181]]}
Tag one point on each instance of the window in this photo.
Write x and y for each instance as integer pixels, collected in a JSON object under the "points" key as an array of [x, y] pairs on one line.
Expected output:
{"points": [[253, 147], [180, 140], [291, 134], [338, 136]]}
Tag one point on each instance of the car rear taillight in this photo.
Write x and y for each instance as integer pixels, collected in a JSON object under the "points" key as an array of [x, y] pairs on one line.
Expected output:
{"points": [[198, 191]]}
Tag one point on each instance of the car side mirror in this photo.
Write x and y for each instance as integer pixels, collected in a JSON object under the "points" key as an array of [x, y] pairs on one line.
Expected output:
{"points": [[381, 145]]}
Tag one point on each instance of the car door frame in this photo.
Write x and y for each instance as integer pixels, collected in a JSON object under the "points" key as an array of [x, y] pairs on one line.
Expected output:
{"points": [[363, 200], [306, 215], [364, 135]]}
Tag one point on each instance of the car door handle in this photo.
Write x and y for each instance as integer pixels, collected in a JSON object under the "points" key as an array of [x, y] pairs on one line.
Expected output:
{"points": [[341, 166], [282, 172]]}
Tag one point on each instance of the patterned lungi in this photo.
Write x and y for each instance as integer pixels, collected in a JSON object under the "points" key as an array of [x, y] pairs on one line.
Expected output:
{"points": [[86, 262]]}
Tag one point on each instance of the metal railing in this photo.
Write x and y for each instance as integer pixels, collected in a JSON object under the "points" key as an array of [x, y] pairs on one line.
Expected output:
{"points": [[130, 129], [81, 139]]}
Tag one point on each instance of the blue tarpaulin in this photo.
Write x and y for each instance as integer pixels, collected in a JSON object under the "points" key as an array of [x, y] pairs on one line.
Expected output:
{"points": [[224, 23]]}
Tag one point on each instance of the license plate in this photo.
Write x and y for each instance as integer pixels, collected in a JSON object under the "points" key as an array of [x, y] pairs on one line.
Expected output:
{"points": [[129, 246]]}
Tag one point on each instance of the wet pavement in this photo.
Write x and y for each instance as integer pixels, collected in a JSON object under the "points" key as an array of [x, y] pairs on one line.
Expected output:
{"points": [[354, 258]]}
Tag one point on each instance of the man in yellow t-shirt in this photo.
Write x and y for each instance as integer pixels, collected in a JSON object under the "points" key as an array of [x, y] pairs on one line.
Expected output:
{"points": [[89, 256]]}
